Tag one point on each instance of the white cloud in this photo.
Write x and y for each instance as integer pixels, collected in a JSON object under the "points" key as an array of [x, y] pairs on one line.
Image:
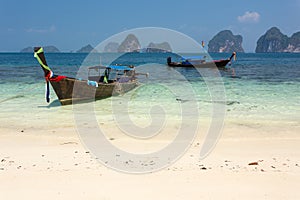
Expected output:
{"points": [[47, 30], [249, 17]]}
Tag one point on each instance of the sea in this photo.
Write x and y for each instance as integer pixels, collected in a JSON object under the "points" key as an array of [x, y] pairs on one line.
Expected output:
{"points": [[264, 87]]}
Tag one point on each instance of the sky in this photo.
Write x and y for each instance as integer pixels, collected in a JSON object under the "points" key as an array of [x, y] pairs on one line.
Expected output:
{"points": [[69, 25]]}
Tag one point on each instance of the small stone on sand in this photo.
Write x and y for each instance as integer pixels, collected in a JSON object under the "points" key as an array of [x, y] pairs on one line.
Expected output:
{"points": [[253, 163]]}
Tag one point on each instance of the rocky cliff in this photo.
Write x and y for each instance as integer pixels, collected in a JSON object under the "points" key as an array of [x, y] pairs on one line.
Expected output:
{"points": [[272, 41], [130, 44], [225, 42], [275, 41], [294, 43]]}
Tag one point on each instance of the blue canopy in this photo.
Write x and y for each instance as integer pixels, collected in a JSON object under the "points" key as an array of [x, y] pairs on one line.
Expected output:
{"points": [[120, 67]]}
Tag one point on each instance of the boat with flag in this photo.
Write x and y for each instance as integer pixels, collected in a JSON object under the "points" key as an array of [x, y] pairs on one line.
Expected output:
{"points": [[201, 62], [102, 82]]}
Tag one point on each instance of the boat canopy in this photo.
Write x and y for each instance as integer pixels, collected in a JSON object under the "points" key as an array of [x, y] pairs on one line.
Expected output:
{"points": [[120, 67], [113, 67]]}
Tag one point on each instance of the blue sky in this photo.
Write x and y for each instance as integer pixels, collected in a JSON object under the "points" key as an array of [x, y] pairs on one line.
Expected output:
{"points": [[69, 25]]}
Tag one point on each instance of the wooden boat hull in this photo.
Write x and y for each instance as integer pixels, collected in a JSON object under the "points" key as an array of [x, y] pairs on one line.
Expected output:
{"points": [[70, 90], [113, 80], [218, 64]]}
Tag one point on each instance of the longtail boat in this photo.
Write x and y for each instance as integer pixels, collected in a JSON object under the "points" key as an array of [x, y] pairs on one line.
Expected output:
{"points": [[104, 82], [200, 63]]}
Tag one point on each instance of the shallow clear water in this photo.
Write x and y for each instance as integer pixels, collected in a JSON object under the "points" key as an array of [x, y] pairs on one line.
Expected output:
{"points": [[266, 87]]}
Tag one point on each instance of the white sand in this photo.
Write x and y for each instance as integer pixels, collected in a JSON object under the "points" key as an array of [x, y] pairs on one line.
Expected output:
{"points": [[52, 164]]}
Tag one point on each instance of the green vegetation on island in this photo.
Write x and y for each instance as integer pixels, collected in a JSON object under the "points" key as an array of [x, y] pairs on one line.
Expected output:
{"points": [[274, 41], [225, 42], [130, 44]]}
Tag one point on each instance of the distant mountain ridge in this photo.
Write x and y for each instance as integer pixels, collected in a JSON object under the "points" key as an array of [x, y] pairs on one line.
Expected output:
{"points": [[47, 49], [132, 44], [87, 49], [158, 47], [275, 41], [225, 42], [111, 47]]}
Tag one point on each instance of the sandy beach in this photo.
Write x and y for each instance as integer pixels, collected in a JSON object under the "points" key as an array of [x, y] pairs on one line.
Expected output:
{"points": [[252, 160]]}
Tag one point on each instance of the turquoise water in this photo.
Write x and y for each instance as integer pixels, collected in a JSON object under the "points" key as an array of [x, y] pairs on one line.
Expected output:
{"points": [[266, 87]]}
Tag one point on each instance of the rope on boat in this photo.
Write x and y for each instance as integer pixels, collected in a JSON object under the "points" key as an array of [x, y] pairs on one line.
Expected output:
{"points": [[39, 59]]}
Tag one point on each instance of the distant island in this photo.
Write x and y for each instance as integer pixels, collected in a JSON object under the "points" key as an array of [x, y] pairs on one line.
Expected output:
{"points": [[87, 49], [225, 42], [158, 47], [47, 49], [132, 44], [275, 41], [111, 47]]}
